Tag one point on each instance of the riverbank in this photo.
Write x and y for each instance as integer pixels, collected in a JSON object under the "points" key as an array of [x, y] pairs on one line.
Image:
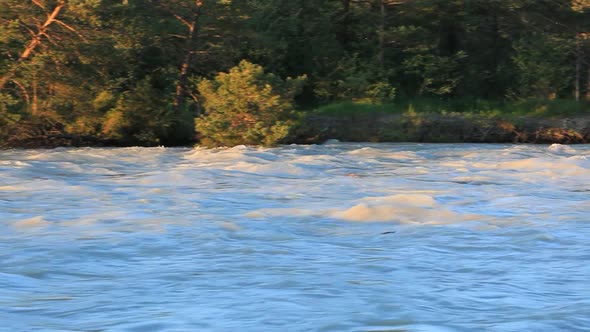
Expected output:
{"points": [[436, 128], [544, 122], [541, 123]]}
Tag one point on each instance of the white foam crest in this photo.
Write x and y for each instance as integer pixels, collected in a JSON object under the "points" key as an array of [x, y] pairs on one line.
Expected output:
{"points": [[14, 163], [315, 160], [138, 149], [261, 161], [217, 156], [517, 150], [575, 165], [163, 179], [370, 152], [417, 209], [403, 215], [409, 199], [317, 164], [278, 169], [403, 209], [38, 156], [561, 149]]}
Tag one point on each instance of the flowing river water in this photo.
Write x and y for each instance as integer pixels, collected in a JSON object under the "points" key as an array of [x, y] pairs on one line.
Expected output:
{"points": [[333, 237]]}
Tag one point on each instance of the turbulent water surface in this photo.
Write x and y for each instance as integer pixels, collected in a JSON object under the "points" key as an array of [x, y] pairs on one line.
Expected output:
{"points": [[334, 237]]}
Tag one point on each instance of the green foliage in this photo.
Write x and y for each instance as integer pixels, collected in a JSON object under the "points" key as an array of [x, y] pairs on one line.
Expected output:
{"points": [[104, 101], [6, 102], [439, 75], [7, 114], [543, 65], [349, 108], [355, 80], [466, 107], [84, 126], [141, 117], [247, 106], [546, 108]]}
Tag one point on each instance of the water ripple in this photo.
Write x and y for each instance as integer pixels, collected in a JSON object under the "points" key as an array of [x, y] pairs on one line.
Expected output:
{"points": [[339, 237]]}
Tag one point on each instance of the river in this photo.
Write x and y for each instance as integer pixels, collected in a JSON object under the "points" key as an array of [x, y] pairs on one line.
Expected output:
{"points": [[333, 237]]}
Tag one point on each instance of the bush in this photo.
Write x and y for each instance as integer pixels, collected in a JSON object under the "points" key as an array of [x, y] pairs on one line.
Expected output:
{"points": [[247, 106], [142, 117]]}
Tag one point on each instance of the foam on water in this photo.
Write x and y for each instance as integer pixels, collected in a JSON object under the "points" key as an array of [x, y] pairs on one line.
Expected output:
{"points": [[561, 149], [334, 237], [405, 209], [30, 223]]}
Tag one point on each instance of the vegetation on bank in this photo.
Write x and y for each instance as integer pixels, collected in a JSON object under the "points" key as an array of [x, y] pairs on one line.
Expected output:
{"points": [[171, 72], [451, 121], [247, 106], [519, 108]]}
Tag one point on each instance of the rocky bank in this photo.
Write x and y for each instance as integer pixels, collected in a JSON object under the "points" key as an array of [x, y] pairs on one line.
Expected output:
{"points": [[447, 128]]}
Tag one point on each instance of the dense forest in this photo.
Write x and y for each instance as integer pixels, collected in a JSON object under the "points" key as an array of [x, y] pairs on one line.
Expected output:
{"points": [[168, 72]]}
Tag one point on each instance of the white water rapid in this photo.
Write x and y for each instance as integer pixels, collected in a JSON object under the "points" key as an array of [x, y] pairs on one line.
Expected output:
{"points": [[333, 237]]}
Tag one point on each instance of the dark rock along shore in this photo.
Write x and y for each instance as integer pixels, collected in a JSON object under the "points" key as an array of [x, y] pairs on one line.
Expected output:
{"points": [[455, 128], [384, 127]]}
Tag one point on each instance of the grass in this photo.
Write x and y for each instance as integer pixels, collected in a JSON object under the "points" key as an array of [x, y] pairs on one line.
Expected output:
{"points": [[532, 108]]}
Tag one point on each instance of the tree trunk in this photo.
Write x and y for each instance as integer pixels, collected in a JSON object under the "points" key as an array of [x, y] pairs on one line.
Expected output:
{"points": [[181, 86], [34, 42], [34, 105], [492, 80], [25, 93], [346, 5], [381, 46], [343, 33], [578, 69], [7, 77]]}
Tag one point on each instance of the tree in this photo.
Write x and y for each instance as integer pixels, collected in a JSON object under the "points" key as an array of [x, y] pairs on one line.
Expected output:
{"points": [[52, 56], [247, 106], [37, 28], [582, 28]]}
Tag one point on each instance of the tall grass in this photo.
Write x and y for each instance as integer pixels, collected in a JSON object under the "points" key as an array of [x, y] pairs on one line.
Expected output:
{"points": [[533, 108]]}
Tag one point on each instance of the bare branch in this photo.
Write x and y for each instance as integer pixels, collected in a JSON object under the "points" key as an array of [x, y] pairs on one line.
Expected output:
{"points": [[49, 38], [29, 30], [183, 21], [24, 91], [35, 40], [71, 29], [36, 2], [37, 22], [51, 17], [193, 96], [176, 36]]}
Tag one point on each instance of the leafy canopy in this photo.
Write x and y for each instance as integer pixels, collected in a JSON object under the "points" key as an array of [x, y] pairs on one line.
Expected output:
{"points": [[247, 106]]}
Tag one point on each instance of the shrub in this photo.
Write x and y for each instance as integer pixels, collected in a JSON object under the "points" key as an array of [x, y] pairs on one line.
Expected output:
{"points": [[142, 117], [247, 106]]}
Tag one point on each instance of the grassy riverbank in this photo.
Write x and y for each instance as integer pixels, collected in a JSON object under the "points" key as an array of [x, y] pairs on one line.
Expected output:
{"points": [[533, 108], [423, 120], [418, 120]]}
